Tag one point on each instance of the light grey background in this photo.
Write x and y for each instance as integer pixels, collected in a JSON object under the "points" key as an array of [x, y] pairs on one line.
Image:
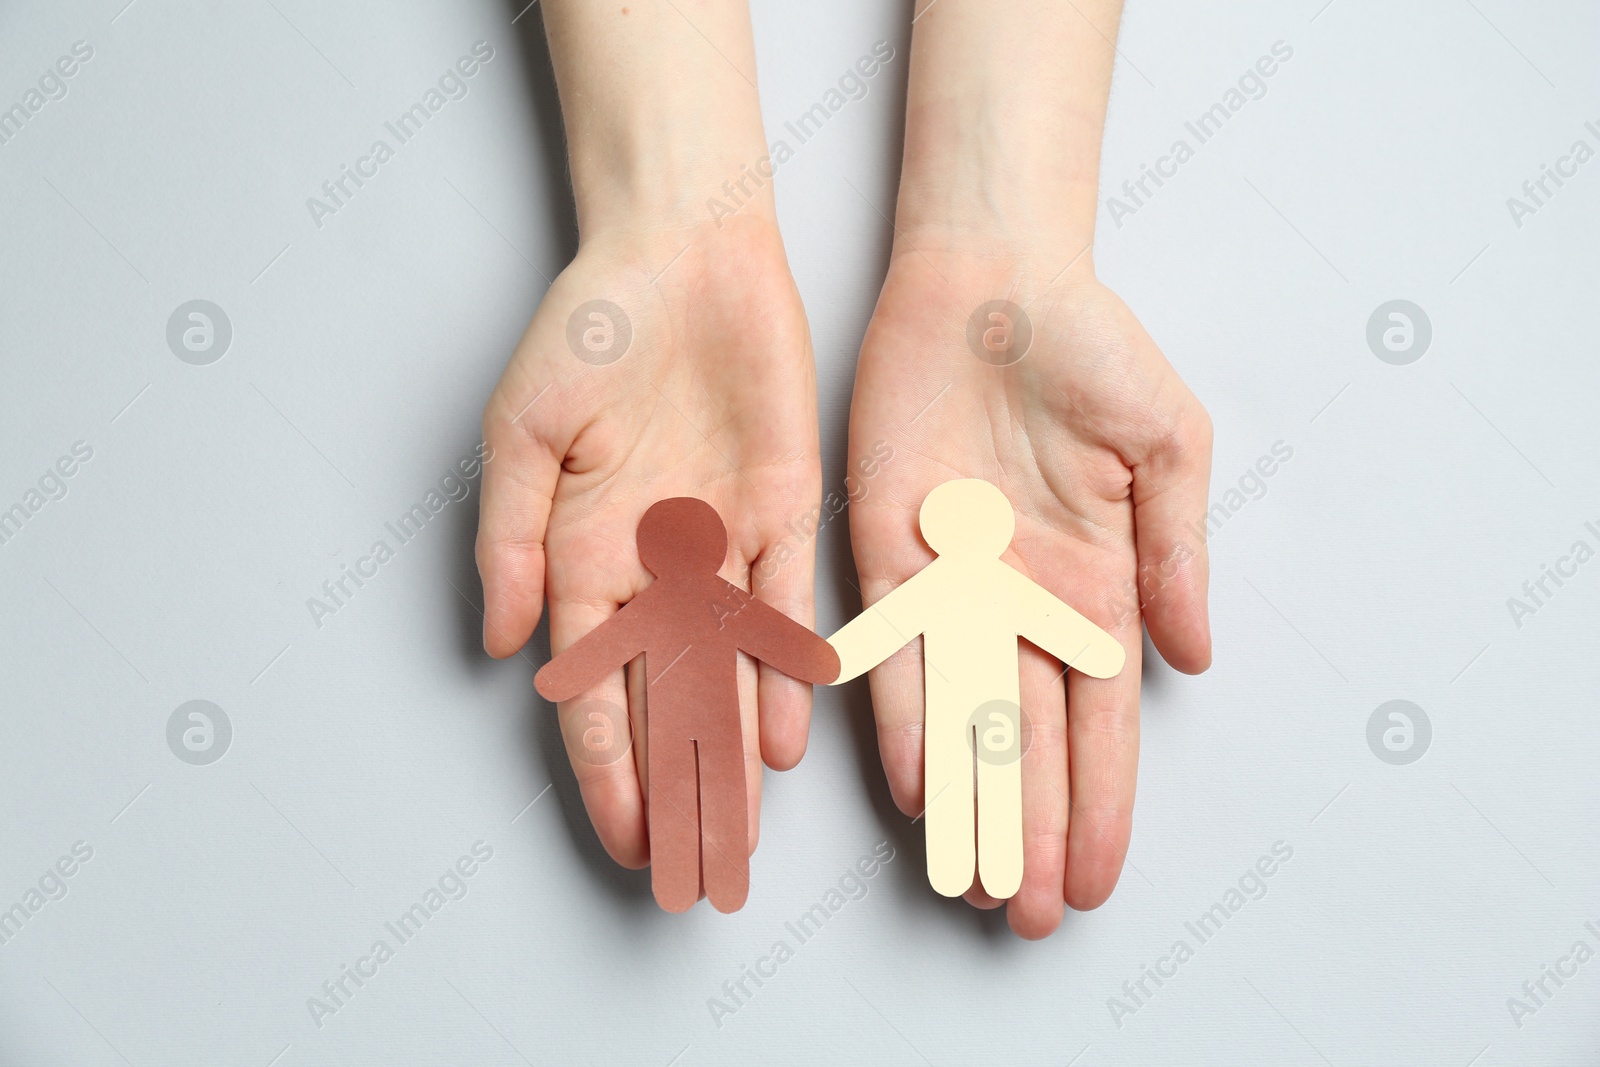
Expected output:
{"points": [[368, 754]]}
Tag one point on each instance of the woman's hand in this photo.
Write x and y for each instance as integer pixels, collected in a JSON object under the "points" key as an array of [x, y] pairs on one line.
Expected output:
{"points": [[995, 353], [670, 358], [714, 396], [1105, 455]]}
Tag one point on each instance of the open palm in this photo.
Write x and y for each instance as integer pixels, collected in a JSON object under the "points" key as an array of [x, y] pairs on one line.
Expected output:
{"points": [[1072, 411], [702, 385]]}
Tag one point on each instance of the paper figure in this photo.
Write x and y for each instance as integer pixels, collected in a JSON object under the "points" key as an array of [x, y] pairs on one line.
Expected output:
{"points": [[690, 624], [970, 608]]}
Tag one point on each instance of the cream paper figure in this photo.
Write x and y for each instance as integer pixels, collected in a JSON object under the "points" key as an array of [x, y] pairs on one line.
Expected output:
{"points": [[970, 608]]}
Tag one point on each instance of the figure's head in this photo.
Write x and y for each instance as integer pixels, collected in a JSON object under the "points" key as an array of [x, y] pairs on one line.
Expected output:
{"points": [[682, 536], [967, 517]]}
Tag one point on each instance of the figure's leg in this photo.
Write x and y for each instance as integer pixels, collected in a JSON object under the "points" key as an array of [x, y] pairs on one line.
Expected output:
{"points": [[674, 816], [724, 818], [947, 789], [998, 742]]}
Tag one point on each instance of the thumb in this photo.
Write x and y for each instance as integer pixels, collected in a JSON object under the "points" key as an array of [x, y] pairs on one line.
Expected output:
{"points": [[1169, 494], [519, 481]]}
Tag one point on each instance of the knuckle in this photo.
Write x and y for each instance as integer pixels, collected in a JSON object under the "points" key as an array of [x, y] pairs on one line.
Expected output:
{"points": [[1046, 739], [908, 732], [1046, 847], [1201, 432], [1185, 440], [1107, 728]]}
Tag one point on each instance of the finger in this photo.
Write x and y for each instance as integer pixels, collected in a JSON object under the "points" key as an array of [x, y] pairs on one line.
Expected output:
{"points": [[980, 899], [519, 480], [1035, 911], [609, 785], [638, 721], [898, 705], [747, 674], [1103, 759], [898, 683], [783, 576], [1169, 495]]}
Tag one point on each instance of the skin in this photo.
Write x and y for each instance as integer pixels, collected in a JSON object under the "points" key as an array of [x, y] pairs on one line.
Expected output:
{"points": [[715, 397], [1100, 447]]}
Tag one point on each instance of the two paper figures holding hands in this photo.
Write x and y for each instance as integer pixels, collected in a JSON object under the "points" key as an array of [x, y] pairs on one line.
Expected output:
{"points": [[968, 606]]}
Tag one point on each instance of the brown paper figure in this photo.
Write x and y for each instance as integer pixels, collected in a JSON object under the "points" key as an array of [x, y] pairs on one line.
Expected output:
{"points": [[970, 607], [690, 624]]}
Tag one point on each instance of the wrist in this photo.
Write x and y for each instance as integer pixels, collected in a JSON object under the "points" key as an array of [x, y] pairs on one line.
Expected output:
{"points": [[979, 176], [672, 164], [659, 113], [991, 216], [997, 227], [1003, 126]]}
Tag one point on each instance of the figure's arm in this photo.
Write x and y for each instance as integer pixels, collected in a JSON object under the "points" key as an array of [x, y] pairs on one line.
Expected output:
{"points": [[783, 644], [599, 652], [884, 628], [1042, 618]]}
